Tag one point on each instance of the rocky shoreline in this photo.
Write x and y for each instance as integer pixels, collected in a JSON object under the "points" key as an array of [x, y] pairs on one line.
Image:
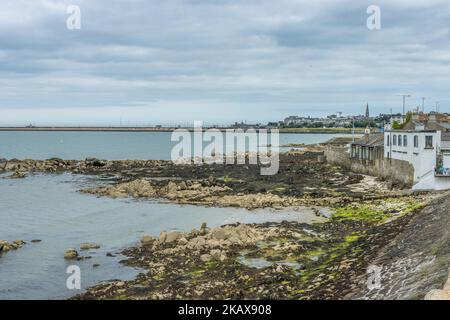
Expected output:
{"points": [[303, 179], [285, 260], [277, 260]]}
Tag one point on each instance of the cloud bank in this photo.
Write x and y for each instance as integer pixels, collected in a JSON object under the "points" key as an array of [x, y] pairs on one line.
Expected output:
{"points": [[174, 61]]}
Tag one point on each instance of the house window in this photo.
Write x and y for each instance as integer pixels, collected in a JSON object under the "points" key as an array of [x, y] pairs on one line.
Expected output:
{"points": [[405, 141], [416, 141], [428, 141], [394, 140], [388, 140], [400, 140]]}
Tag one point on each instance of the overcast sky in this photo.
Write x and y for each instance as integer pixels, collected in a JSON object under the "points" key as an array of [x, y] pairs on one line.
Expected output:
{"points": [[173, 61]]}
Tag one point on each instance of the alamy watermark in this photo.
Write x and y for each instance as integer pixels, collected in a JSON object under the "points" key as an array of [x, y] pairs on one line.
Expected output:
{"points": [[374, 20], [73, 281], [229, 146], [73, 22]]}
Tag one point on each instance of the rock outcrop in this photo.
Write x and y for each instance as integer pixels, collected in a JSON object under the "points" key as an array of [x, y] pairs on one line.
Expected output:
{"points": [[6, 246], [89, 245], [71, 254]]}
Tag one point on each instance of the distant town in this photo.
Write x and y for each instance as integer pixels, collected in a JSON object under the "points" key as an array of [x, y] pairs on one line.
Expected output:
{"points": [[334, 123], [337, 121]]}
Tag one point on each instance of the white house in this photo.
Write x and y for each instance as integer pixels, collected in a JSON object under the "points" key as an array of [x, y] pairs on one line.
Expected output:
{"points": [[396, 118], [419, 147]]}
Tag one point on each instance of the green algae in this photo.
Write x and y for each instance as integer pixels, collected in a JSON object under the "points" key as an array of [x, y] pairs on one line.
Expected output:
{"points": [[227, 179], [359, 212], [327, 257], [159, 276], [377, 211], [279, 187]]}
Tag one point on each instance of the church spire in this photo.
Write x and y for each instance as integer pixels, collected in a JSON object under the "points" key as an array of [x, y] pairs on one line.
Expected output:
{"points": [[367, 111]]}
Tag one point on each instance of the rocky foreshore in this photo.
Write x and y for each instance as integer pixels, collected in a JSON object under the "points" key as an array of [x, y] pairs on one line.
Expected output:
{"points": [[303, 179], [365, 221], [88, 166], [286, 260], [205, 193]]}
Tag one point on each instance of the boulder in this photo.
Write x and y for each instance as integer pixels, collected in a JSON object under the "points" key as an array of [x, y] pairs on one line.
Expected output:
{"points": [[182, 185], [203, 229], [205, 257], [218, 255], [89, 245], [56, 159], [96, 162], [170, 236], [71, 254], [219, 234], [17, 243], [146, 239], [4, 246]]}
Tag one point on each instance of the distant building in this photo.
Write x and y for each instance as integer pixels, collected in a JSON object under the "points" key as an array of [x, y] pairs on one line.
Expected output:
{"points": [[395, 118], [367, 112], [368, 149], [245, 126], [332, 121], [293, 120]]}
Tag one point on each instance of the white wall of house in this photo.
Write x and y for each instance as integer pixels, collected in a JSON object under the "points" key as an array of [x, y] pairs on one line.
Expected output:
{"points": [[421, 155]]}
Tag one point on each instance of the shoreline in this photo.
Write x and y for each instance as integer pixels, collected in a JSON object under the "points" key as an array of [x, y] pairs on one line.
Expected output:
{"points": [[273, 260], [285, 260]]}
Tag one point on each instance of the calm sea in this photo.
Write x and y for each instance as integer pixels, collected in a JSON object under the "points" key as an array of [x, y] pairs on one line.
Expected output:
{"points": [[108, 145]]}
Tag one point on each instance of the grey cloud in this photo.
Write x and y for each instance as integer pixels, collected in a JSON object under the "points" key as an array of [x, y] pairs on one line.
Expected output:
{"points": [[230, 57]]}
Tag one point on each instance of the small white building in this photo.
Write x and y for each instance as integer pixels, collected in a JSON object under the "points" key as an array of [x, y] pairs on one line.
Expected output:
{"points": [[398, 118], [419, 147]]}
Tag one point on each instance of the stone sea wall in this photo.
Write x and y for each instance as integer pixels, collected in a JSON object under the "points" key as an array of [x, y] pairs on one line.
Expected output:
{"points": [[397, 171]]}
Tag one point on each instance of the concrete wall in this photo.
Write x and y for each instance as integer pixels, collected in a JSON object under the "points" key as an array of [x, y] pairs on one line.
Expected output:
{"points": [[397, 171]]}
